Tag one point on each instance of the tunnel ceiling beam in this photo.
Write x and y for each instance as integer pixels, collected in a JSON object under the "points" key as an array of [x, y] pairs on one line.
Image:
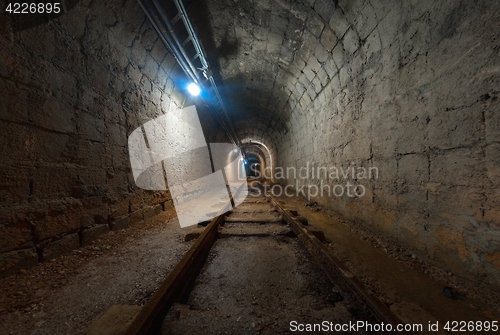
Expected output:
{"points": [[166, 29]]}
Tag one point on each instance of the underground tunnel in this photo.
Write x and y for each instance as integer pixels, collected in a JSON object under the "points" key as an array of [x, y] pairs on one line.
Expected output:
{"points": [[249, 167]]}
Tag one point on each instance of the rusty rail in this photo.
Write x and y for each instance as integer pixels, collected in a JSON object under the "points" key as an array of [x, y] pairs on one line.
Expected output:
{"points": [[178, 282], [335, 269]]}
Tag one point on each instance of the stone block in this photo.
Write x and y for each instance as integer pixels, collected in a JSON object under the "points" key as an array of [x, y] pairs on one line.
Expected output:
{"points": [[324, 8], [339, 24], [274, 38], [120, 205], [273, 48], [12, 261], [19, 183], [151, 69], [413, 169], [260, 33], [92, 154], [385, 197], [56, 114], [449, 129], [16, 107], [16, 136], [137, 216], [15, 234], [96, 211], [93, 233], [62, 217], [315, 25], [51, 180], [366, 21], [321, 53], [122, 223], [63, 246], [152, 211], [464, 167], [323, 77]]}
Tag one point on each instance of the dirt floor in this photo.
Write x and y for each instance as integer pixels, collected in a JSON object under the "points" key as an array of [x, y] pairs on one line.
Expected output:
{"points": [[125, 267], [414, 290], [65, 295], [257, 280], [257, 285]]}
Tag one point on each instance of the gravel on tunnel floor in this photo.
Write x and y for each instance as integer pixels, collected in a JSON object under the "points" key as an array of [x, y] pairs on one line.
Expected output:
{"points": [[257, 285]]}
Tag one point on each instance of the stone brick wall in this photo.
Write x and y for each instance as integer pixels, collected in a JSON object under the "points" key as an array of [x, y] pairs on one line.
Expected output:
{"points": [[410, 88], [71, 91]]}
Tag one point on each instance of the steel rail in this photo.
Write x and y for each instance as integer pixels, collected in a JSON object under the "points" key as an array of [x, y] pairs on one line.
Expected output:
{"points": [[177, 284], [150, 317], [180, 280], [335, 269]]}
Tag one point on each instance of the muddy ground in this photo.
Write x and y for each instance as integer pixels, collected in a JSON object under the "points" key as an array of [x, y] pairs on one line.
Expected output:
{"points": [[257, 285], [259, 280], [66, 295], [413, 288]]}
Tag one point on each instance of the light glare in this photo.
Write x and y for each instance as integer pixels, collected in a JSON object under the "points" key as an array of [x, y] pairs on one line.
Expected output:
{"points": [[194, 89]]}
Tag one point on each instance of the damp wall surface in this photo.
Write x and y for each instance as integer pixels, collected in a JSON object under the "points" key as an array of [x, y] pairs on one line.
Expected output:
{"points": [[411, 89], [71, 92]]}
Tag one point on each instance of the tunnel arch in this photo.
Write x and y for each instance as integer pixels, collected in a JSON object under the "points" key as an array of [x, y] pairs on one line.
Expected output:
{"points": [[257, 152], [408, 87], [338, 83], [264, 153], [253, 165]]}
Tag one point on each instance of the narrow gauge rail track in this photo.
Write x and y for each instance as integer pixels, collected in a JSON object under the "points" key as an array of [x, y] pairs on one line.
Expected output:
{"points": [[237, 286]]}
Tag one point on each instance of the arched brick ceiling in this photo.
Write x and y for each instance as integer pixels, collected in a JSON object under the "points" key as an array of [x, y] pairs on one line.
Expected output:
{"points": [[256, 50]]}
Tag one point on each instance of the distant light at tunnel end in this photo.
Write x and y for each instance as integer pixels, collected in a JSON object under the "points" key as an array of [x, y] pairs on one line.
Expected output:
{"points": [[194, 89]]}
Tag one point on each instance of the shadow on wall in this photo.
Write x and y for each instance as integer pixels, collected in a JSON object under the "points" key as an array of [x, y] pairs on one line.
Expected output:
{"points": [[199, 15], [250, 96], [200, 19]]}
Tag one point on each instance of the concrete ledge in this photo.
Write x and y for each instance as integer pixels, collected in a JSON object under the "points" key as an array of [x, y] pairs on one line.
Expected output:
{"points": [[153, 211], [137, 216], [27, 256]]}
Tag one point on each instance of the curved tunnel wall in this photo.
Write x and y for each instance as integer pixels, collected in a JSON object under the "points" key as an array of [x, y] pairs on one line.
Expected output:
{"points": [[409, 88], [72, 90], [264, 153]]}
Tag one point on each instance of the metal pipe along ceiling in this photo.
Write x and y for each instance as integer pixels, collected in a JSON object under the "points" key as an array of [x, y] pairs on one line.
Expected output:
{"points": [[166, 29]]}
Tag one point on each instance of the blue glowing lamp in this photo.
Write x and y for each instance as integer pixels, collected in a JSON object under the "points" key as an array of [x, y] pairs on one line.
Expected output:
{"points": [[194, 89]]}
